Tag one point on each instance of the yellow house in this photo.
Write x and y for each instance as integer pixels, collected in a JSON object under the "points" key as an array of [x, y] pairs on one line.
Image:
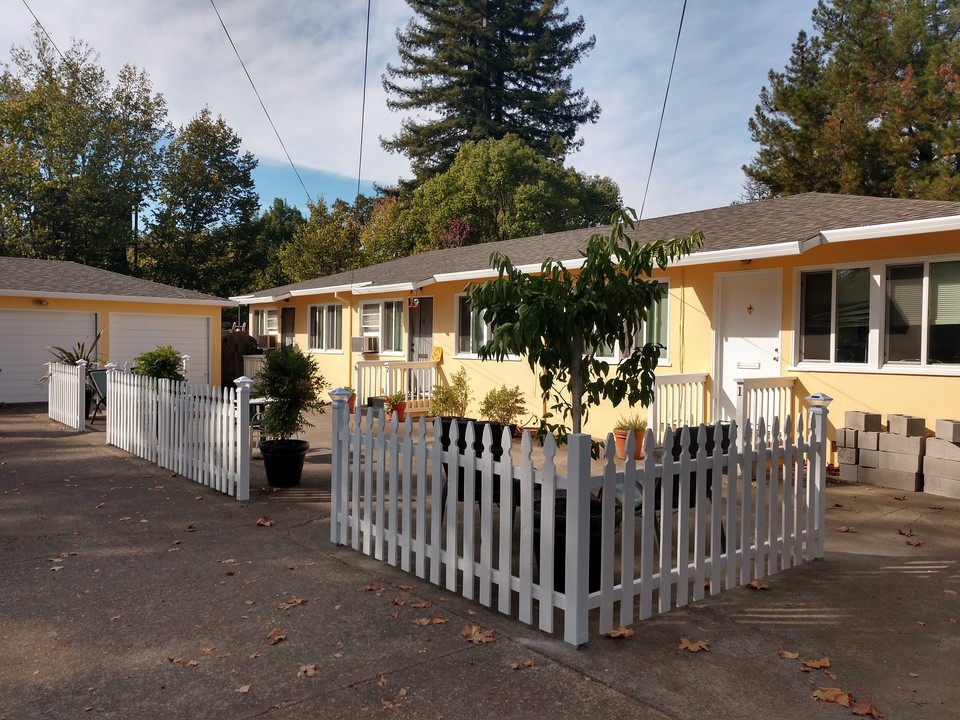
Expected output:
{"points": [[46, 303], [856, 297]]}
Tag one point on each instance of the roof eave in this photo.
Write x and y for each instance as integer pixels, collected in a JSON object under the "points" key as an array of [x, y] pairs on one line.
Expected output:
{"points": [[894, 229], [118, 298]]}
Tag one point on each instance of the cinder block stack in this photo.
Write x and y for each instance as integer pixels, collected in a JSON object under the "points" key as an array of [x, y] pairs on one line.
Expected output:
{"points": [[899, 455], [941, 464], [860, 432]]}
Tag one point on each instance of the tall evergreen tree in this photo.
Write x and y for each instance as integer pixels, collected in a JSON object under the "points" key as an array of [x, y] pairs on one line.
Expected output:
{"points": [[869, 106], [481, 69]]}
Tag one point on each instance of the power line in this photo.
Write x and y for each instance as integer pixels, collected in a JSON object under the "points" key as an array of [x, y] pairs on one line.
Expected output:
{"points": [[663, 110], [265, 112], [363, 102]]}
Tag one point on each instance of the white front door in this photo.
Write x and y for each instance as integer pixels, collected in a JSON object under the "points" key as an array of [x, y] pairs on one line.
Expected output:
{"points": [[748, 321]]}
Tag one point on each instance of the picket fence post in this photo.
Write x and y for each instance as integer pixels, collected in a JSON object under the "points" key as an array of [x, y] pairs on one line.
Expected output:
{"points": [[243, 384], [818, 403], [81, 398], [576, 613], [339, 459]]}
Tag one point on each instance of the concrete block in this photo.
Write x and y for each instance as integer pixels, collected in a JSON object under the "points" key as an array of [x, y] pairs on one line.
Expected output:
{"points": [[942, 468], [841, 438], [904, 444], [847, 456], [859, 420], [948, 430], [852, 438], [900, 462], [942, 449], [869, 458], [911, 482], [945, 487], [909, 425], [869, 440], [849, 473]]}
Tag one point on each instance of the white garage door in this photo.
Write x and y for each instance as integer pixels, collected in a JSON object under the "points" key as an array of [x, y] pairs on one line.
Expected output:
{"points": [[132, 334], [25, 340]]}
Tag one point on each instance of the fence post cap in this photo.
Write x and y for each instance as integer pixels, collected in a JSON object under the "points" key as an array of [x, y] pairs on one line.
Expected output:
{"points": [[81, 362], [818, 400], [243, 382], [340, 395], [111, 366]]}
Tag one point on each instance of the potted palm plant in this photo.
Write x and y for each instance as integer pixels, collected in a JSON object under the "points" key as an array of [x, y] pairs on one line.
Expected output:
{"points": [[627, 425], [289, 380], [70, 356]]}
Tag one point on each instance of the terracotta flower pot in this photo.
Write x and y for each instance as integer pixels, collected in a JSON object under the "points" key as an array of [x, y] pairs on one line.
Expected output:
{"points": [[620, 436]]}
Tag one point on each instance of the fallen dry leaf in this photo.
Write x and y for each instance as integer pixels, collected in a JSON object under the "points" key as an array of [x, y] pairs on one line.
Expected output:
{"points": [[787, 655], [908, 532], [208, 650], [243, 689], [831, 675], [276, 635], [421, 605], [399, 601], [952, 621], [307, 670], [264, 521], [864, 708], [371, 587], [338, 655], [621, 632], [845, 529], [424, 621], [913, 543], [477, 635], [836, 695], [901, 498], [694, 647], [817, 664], [408, 588], [524, 664], [255, 654], [936, 507], [757, 585], [292, 602]]}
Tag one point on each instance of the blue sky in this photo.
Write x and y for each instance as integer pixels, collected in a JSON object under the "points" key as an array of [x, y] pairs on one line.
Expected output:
{"points": [[307, 61]]}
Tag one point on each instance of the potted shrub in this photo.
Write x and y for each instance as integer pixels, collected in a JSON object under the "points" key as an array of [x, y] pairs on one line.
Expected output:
{"points": [[503, 405], [289, 380], [452, 400], [397, 402], [626, 425], [162, 362]]}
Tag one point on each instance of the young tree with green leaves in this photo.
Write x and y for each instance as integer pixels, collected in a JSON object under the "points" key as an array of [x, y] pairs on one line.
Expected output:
{"points": [[501, 189], [868, 106], [481, 69], [559, 320]]}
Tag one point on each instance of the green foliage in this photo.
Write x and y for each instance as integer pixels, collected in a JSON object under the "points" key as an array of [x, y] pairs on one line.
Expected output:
{"points": [[328, 242], [385, 236], [633, 421], [79, 351], [162, 362], [290, 380], [276, 227], [452, 400], [477, 71], [869, 105], [398, 397], [503, 405], [501, 189], [77, 156], [203, 234], [559, 320]]}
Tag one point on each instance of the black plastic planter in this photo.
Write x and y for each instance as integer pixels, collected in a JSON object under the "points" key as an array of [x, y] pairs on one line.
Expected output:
{"points": [[283, 461]]}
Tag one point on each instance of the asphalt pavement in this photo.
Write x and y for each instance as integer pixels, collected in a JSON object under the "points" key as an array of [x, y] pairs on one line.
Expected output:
{"points": [[130, 592]]}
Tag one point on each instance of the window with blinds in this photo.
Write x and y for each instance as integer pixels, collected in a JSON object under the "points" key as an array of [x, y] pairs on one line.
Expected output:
{"points": [[943, 331], [904, 327]]}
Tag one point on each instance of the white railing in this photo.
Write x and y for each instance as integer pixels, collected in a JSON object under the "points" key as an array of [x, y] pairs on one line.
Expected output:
{"points": [[764, 398], [198, 431], [679, 400], [67, 394], [388, 501], [383, 378]]}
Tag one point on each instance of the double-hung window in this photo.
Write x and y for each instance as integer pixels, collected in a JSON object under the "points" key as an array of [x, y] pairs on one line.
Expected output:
{"points": [[326, 327], [471, 330], [383, 320], [884, 316], [654, 330]]}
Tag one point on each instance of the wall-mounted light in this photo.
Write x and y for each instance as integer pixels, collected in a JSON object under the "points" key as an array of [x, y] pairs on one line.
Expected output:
{"points": [[41, 302]]}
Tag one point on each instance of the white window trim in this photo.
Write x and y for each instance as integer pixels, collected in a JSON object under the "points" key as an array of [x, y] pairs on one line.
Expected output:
{"points": [[381, 324], [261, 315], [322, 350], [875, 364]]}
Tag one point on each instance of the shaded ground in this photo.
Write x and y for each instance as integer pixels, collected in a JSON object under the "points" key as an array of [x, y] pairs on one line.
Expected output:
{"points": [[129, 592]]}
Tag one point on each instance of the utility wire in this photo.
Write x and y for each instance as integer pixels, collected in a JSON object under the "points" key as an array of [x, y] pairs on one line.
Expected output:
{"points": [[265, 112], [663, 110], [363, 102]]}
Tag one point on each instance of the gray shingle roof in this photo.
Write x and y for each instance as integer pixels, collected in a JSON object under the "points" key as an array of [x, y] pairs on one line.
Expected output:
{"points": [[795, 218], [47, 277]]}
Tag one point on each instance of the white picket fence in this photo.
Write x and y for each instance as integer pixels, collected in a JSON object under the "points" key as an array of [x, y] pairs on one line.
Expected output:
{"points": [[66, 394], [197, 431], [387, 501]]}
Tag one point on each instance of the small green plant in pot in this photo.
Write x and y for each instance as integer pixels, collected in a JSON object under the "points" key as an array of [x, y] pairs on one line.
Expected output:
{"points": [[627, 424], [289, 380], [162, 362], [397, 402]]}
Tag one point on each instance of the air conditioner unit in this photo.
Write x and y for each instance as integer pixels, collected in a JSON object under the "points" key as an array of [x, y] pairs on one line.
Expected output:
{"points": [[371, 345], [267, 342]]}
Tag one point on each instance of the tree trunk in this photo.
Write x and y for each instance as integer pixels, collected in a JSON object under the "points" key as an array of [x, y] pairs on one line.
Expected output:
{"points": [[576, 382]]}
